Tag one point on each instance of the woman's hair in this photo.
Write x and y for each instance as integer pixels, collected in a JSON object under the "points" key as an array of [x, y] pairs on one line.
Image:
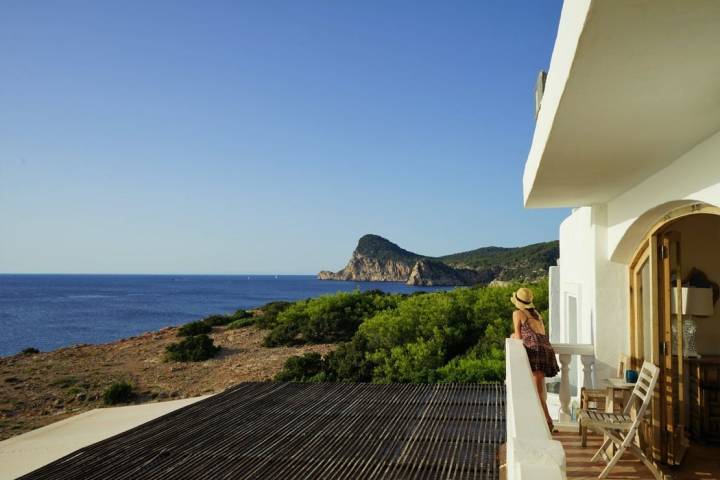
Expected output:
{"points": [[534, 313]]}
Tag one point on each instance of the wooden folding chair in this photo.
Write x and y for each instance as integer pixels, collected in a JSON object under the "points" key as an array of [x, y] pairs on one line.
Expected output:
{"points": [[620, 429]]}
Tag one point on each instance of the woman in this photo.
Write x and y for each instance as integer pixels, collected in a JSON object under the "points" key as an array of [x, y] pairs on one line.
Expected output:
{"points": [[530, 328]]}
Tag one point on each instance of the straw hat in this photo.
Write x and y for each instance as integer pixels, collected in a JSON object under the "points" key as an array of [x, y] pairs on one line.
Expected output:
{"points": [[523, 299]]}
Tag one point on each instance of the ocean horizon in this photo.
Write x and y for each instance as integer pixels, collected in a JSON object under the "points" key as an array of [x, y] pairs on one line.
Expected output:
{"points": [[51, 311]]}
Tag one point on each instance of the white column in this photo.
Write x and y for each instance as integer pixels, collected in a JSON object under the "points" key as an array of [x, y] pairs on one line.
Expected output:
{"points": [[588, 362], [554, 303], [565, 387]]}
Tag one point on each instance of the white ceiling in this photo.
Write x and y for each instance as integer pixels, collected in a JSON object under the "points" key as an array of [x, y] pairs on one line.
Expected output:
{"points": [[643, 88]]}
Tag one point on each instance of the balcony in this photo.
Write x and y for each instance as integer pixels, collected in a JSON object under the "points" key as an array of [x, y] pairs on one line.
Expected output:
{"points": [[532, 451], [559, 404]]}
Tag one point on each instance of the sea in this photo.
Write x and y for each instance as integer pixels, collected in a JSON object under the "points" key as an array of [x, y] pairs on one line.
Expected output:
{"points": [[53, 311]]}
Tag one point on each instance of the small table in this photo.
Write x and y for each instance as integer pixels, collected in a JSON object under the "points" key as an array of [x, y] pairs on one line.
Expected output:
{"points": [[625, 389], [618, 385]]}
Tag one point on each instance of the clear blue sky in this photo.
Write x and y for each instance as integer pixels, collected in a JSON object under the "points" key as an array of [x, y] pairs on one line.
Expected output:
{"points": [[264, 136]]}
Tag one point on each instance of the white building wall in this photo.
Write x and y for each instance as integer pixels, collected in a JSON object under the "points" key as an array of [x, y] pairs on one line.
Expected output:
{"points": [[597, 243], [611, 311], [693, 177], [577, 283], [577, 276], [593, 291]]}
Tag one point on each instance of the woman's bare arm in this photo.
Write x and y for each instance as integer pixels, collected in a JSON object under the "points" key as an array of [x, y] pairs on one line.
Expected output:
{"points": [[517, 319]]}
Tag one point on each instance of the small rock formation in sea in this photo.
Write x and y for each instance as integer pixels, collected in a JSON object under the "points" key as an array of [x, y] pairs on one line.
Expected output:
{"points": [[378, 259]]}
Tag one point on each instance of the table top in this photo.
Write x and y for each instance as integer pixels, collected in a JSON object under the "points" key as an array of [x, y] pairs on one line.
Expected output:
{"points": [[619, 383]]}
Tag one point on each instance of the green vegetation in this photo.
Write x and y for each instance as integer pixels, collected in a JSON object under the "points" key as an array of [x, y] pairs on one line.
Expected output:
{"points": [[383, 249], [455, 336], [221, 320], [531, 261], [196, 348], [326, 319], [241, 323], [118, 392], [30, 351], [269, 313], [194, 328], [216, 320], [307, 368]]}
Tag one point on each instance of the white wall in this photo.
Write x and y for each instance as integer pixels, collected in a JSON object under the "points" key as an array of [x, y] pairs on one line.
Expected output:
{"points": [[600, 287], [612, 302], [577, 285], [598, 242], [693, 177]]}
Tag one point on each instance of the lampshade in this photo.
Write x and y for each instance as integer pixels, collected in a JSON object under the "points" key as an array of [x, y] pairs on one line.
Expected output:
{"points": [[697, 302]]}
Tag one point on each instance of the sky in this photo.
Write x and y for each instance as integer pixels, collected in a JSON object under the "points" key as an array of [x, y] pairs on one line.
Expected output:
{"points": [[264, 136]]}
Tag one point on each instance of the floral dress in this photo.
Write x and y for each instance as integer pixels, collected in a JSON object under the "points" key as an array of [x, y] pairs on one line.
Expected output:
{"points": [[540, 352]]}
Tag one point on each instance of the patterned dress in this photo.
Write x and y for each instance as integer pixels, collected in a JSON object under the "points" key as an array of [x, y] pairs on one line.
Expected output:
{"points": [[540, 352]]}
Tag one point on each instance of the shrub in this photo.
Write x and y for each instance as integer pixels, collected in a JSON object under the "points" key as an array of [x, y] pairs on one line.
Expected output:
{"points": [[454, 336], [349, 363], [215, 321], [269, 313], [309, 367], [192, 349], [241, 323], [194, 328], [30, 351], [240, 314], [118, 392], [329, 318], [283, 334]]}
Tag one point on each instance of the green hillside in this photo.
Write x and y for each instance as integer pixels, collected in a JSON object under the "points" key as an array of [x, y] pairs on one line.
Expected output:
{"points": [[518, 261], [383, 249], [507, 263]]}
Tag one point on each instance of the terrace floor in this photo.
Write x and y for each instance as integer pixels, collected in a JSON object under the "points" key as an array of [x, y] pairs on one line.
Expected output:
{"points": [[291, 430], [700, 463]]}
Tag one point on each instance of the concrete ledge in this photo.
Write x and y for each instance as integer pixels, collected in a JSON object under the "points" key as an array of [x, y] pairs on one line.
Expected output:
{"points": [[29, 451], [531, 451]]}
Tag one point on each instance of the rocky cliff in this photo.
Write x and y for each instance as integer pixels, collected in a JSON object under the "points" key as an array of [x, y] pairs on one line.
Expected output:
{"points": [[375, 260], [378, 259], [429, 273], [367, 269]]}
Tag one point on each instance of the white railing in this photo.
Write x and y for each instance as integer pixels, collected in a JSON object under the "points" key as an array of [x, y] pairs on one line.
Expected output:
{"points": [[565, 352], [531, 451]]}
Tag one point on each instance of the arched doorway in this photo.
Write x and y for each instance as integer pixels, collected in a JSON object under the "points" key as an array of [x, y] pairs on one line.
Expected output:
{"points": [[675, 323]]}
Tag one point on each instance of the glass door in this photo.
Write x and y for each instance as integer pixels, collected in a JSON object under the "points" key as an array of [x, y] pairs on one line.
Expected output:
{"points": [[672, 390]]}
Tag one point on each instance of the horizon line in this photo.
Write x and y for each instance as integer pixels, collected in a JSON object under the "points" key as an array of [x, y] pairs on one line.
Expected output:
{"points": [[168, 274]]}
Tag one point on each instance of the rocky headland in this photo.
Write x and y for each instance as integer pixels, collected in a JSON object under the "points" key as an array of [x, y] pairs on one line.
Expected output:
{"points": [[377, 259]]}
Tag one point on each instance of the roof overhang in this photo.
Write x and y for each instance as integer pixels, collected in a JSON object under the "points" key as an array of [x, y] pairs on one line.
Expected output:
{"points": [[632, 85]]}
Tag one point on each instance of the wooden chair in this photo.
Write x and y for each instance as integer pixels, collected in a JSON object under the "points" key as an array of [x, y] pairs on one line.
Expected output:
{"points": [[620, 429]]}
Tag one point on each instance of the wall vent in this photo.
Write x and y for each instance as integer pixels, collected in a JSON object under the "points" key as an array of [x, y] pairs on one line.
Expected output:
{"points": [[539, 91]]}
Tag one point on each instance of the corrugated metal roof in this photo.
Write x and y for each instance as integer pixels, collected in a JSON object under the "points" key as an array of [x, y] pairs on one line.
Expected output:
{"points": [[317, 430]]}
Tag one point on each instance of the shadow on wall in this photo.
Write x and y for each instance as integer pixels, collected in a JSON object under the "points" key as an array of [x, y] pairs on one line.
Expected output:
{"points": [[642, 226]]}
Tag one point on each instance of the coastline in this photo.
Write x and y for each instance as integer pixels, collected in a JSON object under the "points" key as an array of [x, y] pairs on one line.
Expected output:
{"points": [[46, 387]]}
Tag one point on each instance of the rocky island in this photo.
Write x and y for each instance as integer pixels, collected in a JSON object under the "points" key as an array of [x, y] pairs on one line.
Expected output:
{"points": [[380, 260]]}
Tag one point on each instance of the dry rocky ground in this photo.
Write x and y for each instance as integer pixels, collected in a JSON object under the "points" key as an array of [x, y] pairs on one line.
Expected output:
{"points": [[39, 389]]}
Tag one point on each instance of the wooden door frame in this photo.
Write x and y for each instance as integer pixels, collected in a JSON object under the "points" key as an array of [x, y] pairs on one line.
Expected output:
{"points": [[648, 250]]}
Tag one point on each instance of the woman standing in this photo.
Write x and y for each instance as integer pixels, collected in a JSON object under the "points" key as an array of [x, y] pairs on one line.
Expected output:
{"points": [[530, 328]]}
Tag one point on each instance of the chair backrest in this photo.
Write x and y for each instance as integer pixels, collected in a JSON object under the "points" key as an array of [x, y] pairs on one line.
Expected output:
{"points": [[649, 374]]}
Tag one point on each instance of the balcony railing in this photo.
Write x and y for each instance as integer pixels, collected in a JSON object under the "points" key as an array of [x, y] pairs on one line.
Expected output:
{"points": [[531, 451], [565, 352]]}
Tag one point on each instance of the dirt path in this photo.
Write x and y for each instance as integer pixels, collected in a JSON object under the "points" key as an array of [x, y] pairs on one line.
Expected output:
{"points": [[39, 389]]}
